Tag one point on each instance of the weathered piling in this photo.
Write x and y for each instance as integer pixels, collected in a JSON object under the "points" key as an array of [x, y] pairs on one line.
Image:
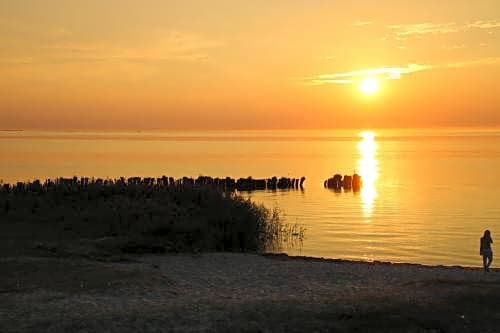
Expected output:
{"points": [[356, 182], [334, 183], [348, 183]]}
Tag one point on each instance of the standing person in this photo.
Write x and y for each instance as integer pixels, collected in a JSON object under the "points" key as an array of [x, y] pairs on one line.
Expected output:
{"points": [[485, 250]]}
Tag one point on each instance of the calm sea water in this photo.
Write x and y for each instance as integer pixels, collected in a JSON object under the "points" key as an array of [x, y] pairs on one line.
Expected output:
{"points": [[427, 196]]}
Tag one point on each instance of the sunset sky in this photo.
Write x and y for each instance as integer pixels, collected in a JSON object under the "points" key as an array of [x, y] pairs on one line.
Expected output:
{"points": [[260, 64]]}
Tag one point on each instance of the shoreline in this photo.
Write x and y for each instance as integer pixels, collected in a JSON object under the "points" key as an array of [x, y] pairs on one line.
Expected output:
{"points": [[227, 292], [373, 262]]}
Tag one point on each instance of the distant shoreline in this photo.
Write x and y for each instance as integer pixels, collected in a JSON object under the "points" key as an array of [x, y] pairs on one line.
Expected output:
{"points": [[254, 130]]}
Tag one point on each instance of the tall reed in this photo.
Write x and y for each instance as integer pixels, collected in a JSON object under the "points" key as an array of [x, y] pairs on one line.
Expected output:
{"points": [[168, 217]]}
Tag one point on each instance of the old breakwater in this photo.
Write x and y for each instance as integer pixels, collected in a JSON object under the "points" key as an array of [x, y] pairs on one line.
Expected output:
{"points": [[225, 184], [348, 182]]}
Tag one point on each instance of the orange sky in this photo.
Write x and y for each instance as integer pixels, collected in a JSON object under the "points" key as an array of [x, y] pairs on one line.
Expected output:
{"points": [[157, 64]]}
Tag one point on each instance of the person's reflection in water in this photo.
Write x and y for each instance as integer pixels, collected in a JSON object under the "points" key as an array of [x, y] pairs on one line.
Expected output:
{"points": [[485, 250]]}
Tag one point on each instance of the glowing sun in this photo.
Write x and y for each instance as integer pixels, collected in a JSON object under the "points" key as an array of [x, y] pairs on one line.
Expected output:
{"points": [[369, 85]]}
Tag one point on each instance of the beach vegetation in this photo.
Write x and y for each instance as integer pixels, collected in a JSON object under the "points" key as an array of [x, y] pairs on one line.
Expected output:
{"points": [[148, 216]]}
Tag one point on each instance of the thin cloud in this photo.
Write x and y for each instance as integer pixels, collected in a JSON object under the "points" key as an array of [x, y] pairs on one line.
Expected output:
{"points": [[491, 61], [387, 73], [405, 31], [169, 46], [484, 24], [361, 23], [454, 47], [392, 73], [327, 58], [18, 61], [17, 27]]}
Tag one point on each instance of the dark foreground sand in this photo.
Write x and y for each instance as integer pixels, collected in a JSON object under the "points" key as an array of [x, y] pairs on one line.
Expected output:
{"points": [[221, 292]]}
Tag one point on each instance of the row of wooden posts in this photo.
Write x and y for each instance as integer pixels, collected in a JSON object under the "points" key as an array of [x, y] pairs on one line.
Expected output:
{"points": [[337, 182], [348, 182], [227, 184]]}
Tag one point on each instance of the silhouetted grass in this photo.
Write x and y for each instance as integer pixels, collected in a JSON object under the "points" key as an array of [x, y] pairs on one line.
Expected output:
{"points": [[149, 217]]}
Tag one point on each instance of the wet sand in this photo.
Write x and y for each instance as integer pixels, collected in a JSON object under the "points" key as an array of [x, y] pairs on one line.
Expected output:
{"points": [[45, 291]]}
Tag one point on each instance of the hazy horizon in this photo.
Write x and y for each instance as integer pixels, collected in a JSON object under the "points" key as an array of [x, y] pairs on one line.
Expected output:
{"points": [[470, 128]]}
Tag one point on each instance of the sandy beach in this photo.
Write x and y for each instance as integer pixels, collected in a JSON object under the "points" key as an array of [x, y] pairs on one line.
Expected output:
{"points": [[229, 292]]}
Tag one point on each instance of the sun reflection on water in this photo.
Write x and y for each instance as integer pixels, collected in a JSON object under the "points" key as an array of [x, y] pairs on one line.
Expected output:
{"points": [[368, 170]]}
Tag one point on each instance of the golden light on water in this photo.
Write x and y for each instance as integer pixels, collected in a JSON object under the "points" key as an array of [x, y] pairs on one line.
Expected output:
{"points": [[368, 169]]}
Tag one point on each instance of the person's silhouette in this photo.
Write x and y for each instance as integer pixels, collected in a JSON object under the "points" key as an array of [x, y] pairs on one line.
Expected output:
{"points": [[485, 250]]}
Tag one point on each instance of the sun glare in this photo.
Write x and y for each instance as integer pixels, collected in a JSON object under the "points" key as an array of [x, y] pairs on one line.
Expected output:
{"points": [[369, 171], [369, 85]]}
